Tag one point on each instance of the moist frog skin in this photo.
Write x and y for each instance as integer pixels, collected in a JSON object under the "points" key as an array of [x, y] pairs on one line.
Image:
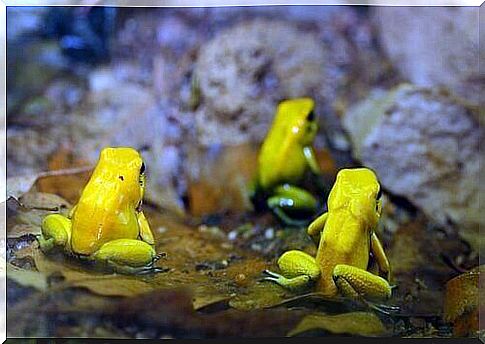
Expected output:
{"points": [[285, 156], [107, 225], [345, 236]]}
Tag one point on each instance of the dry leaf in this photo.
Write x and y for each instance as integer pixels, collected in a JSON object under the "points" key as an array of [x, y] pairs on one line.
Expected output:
{"points": [[98, 283], [462, 301], [203, 300], [27, 278], [25, 215], [111, 286], [69, 185], [17, 186], [259, 295], [354, 323]]}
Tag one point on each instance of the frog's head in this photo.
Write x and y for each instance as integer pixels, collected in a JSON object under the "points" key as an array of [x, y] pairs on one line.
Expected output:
{"points": [[298, 116], [123, 168], [359, 190]]}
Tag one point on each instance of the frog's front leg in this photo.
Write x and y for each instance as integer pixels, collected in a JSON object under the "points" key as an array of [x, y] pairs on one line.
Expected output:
{"points": [[299, 270], [380, 256], [127, 256], [145, 232], [316, 227], [56, 231], [357, 283], [311, 160], [291, 199]]}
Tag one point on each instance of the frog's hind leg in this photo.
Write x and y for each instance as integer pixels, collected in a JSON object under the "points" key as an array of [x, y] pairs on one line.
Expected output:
{"points": [[127, 256], [357, 283], [363, 286], [298, 268], [291, 199], [56, 231]]}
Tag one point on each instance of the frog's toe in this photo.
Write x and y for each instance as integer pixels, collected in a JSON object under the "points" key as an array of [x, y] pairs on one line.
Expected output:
{"points": [[294, 283], [384, 309], [271, 274], [159, 256], [148, 270], [273, 277]]}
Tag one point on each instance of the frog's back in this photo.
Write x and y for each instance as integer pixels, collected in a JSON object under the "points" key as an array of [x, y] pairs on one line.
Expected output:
{"points": [[342, 242], [281, 157], [102, 214]]}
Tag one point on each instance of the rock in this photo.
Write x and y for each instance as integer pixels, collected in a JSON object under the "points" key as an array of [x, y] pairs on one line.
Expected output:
{"points": [[27, 150], [434, 46], [122, 112], [244, 71], [424, 145]]}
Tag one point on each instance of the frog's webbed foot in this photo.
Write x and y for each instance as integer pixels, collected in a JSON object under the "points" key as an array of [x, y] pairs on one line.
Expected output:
{"points": [[56, 232], [150, 268], [384, 309], [289, 199], [299, 270], [294, 283]]}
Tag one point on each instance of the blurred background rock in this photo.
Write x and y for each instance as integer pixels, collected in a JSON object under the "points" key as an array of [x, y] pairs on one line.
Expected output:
{"points": [[171, 82]]}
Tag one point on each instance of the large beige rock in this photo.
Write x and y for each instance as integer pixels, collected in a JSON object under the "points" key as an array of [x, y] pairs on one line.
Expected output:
{"points": [[424, 145], [434, 46], [121, 112], [244, 71]]}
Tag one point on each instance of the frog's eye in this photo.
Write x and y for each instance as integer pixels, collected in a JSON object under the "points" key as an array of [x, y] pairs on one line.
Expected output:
{"points": [[142, 168], [379, 194], [311, 116]]}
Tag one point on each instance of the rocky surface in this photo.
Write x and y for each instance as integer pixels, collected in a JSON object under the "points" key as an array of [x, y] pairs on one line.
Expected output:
{"points": [[243, 73], [130, 115], [424, 145], [434, 46], [245, 70]]}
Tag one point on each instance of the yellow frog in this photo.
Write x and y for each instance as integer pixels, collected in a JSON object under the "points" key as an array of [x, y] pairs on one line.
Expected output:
{"points": [[285, 156], [345, 236], [107, 225]]}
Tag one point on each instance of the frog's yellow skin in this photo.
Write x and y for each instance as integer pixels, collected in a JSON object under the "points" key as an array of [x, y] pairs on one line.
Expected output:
{"points": [[285, 156], [345, 236], [107, 224]]}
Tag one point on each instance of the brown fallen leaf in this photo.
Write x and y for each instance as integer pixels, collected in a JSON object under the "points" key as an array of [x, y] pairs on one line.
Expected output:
{"points": [[25, 215], [17, 186], [259, 295], [461, 302], [68, 185], [354, 323], [417, 267], [111, 286], [27, 278], [204, 300], [42, 200], [96, 282]]}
